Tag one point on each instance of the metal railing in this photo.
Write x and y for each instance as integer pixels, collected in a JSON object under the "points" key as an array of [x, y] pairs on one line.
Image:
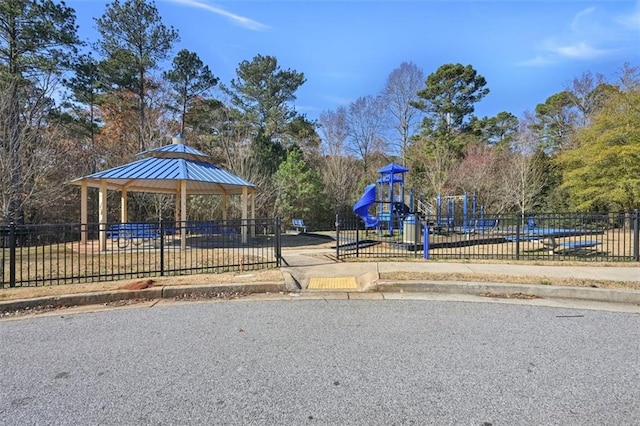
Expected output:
{"points": [[38, 255], [604, 237]]}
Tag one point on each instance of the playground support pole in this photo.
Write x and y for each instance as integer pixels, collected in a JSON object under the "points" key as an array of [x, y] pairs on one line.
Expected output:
{"points": [[391, 204], [416, 234], [425, 244]]}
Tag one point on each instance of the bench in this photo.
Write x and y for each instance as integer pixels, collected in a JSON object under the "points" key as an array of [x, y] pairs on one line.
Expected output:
{"points": [[210, 228], [299, 224], [137, 233]]}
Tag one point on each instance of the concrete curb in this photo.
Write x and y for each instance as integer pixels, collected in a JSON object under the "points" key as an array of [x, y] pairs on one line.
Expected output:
{"points": [[164, 292], [443, 287], [543, 291]]}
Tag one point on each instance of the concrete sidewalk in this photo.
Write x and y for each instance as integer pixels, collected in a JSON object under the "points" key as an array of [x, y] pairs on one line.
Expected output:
{"points": [[304, 266], [304, 263]]}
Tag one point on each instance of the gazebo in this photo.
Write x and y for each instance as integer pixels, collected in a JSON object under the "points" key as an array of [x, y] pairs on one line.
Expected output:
{"points": [[171, 169]]}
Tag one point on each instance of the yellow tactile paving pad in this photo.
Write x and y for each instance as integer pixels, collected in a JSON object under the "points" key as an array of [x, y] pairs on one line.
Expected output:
{"points": [[333, 283]]}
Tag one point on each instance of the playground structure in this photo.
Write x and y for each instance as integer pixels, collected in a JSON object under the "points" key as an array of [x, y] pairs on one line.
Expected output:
{"points": [[388, 196], [446, 214], [451, 216], [456, 213]]}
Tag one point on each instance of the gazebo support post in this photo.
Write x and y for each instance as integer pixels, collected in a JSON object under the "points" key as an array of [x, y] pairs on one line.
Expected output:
{"points": [[83, 212], [245, 215], [253, 214], [183, 214], [224, 207], [102, 215], [177, 209], [124, 208]]}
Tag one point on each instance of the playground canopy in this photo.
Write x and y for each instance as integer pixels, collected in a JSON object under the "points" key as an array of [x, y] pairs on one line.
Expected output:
{"points": [[171, 169], [392, 168]]}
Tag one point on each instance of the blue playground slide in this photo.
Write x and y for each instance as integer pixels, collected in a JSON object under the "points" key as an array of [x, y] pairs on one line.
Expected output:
{"points": [[361, 207]]}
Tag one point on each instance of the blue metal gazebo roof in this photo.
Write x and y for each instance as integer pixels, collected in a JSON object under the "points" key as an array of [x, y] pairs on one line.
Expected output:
{"points": [[163, 168], [176, 150]]}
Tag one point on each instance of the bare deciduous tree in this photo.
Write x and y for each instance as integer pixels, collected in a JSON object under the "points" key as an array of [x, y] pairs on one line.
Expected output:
{"points": [[338, 171], [400, 91], [524, 176], [477, 173], [431, 167], [365, 122], [587, 94], [46, 158], [629, 77]]}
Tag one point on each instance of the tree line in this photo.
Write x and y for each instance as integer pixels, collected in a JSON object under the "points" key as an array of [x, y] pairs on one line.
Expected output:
{"points": [[69, 108]]}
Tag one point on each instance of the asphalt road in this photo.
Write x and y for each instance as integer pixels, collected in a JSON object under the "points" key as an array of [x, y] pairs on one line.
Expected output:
{"points": [[334, 362]]}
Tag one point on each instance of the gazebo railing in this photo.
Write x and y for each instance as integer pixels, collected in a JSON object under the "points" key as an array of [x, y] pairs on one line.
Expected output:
{"points": [[38, 255]]}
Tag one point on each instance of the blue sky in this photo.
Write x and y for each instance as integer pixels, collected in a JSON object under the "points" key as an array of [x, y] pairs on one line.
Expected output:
{"points": [[526, 50]]}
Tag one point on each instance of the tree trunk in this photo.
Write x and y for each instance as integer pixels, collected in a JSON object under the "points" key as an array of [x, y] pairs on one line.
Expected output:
{"points": [[16, 209]]}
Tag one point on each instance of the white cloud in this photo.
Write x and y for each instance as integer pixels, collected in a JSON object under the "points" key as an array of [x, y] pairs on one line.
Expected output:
{"points": [[240, 20], [578, 20], [580, 50], [631, 21], [593, 33]]}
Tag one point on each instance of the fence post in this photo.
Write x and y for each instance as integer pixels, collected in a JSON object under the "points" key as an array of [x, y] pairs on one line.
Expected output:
{"points": [[358, 238], [519, 218], [636, 235], [278, 241], [337, 236], [161, 247], [12, 254]]}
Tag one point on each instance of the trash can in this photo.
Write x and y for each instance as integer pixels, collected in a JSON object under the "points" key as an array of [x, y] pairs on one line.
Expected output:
{"points": [[409, 231]]}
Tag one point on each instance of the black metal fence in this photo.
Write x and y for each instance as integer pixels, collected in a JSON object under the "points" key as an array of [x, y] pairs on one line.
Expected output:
{"points": [[36, 255], [605, 237]]}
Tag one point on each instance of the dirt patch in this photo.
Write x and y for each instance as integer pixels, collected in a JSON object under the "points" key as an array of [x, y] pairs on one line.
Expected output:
{"points": [[510, 296], [265, 275], [225, 295], [192, 297], [138, 285]]}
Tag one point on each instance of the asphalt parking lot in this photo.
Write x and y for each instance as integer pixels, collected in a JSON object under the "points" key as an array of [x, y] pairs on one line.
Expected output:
{"points": [[322, 361]]}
